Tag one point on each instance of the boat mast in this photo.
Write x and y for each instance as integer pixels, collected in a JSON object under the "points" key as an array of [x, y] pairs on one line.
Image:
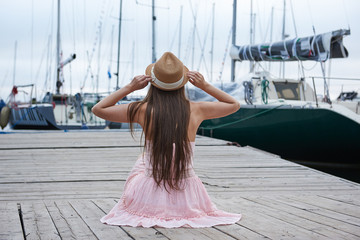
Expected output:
{"points": [[271, 30], [251, 32], [282, 68], [58, 82], [110, 59], [180, 28], [118, 53], [212, 43], [15, 50], [193, 37], [233, 40], [153, 32], [98, 67]]}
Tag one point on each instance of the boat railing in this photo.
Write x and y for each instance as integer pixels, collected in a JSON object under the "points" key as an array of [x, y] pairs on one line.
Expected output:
{"points": [[326, 97], [16, 90]]}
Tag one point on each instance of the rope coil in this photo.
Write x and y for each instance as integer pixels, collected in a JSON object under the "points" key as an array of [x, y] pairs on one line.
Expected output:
{"points": [[264, 90]]}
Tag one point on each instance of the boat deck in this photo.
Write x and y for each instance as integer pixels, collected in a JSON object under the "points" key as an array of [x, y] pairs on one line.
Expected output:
{"points": [[56, 185]]}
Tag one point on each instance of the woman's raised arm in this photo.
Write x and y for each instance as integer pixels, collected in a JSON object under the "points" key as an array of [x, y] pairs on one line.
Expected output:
{"points": [[107, 109], [226, 105]]}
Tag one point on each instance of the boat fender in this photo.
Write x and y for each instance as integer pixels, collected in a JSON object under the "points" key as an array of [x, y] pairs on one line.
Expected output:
{"points": [[4, 116]]}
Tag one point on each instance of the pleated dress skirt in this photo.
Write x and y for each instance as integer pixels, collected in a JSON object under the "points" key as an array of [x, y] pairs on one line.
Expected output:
{"points": [[145, 204]]}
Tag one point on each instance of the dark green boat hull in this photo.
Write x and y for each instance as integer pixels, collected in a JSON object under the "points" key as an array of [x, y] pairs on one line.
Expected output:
{"points": [[312, 134]]}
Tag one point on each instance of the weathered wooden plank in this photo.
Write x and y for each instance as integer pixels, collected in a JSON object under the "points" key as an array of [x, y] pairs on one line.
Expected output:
{"points": [[91, 215], [351, 198], [259, 221], [77, 139], [296, 218], [315, 208], [38, 223], [68, 222], [194, 233], [240, 232], [10, 225], [333, 205], [137, 233], [328, 226]]}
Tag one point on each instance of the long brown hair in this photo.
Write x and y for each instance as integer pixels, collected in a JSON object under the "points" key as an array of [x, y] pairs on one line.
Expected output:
{"points": [[166, 124]]}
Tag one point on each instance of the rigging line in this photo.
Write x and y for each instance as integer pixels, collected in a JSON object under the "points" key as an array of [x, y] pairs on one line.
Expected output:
{"points": [[175, 34], [104, 55], [271, 74], [202, 46], [85, 38], [301, 69], [187, 49], [44, 89], [193, 33], [49, 50], [267, 29], [189, 42], [106, 16], [346, 14], [73, 17], [51, 88], [41, 61], [311, 16], [311, 68], [225, 54], [188, 46], [259, 23], [293, 18], [202, 51], [168, 26], [4, 79], [94, 46], [32, 41], [149, 5], [329, 71]]}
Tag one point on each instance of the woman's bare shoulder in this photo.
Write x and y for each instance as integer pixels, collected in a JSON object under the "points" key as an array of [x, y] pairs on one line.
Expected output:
{"points": [[196, 108], [198, 105]]}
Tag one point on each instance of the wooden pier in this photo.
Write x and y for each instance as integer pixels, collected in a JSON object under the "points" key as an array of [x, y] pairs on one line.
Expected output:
{"points": [[57, 185]]}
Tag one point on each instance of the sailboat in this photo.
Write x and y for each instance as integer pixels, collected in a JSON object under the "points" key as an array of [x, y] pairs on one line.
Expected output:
{"points": [[284, 116], [57, 110]]}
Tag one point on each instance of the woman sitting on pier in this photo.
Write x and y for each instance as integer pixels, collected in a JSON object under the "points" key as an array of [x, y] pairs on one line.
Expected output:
{"points": [[162, 189]]}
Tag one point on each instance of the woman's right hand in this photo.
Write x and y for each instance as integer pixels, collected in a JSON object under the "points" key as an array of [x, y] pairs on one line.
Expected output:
{"points": [[139, 82], [197, 79]]}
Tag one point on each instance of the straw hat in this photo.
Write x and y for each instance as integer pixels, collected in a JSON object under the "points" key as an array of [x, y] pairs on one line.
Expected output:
{"points": [[168, 73]]}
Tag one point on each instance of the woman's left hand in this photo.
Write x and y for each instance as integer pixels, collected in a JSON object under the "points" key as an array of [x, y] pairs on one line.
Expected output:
{"points": [[139, 82]]}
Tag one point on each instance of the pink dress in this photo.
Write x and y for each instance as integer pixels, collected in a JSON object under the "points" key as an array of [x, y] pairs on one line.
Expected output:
{"points": [[145, 204]]}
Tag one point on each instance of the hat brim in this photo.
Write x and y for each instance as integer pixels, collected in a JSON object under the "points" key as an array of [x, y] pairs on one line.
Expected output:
{"points": [[186, 79]]}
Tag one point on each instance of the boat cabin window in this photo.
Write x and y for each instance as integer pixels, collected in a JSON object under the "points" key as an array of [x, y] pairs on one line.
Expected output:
{"points": [[288, 91]]}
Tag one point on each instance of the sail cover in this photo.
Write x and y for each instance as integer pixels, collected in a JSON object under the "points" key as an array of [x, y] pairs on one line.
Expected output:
{"points": [[319, 47]]}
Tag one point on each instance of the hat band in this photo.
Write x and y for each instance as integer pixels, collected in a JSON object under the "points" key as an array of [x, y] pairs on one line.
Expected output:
{"points": [[164, 85]]}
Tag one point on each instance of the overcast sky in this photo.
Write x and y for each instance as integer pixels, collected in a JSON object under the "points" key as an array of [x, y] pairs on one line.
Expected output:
{"points": [[89, 28]]}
